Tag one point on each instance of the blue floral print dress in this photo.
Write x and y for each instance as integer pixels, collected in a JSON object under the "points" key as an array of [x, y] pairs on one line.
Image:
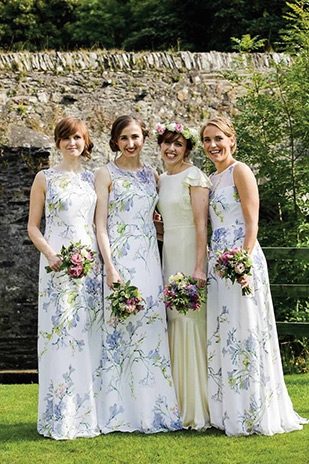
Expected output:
{"points": [[70, 314], [247, 393], [137, 388]]}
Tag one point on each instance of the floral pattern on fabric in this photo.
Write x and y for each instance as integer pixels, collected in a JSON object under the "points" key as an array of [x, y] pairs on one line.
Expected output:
{"points": [[70, 314], [135, 367], [246, 385]]}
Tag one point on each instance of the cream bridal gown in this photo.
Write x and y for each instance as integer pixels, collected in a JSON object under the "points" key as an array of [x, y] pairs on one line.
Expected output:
{"points": [[187, 333]]}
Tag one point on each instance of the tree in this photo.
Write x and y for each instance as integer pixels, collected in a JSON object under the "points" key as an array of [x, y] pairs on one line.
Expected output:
{"points": [[154, 26], [35, 24], [273, 137], [208, 25], [101, 24], [273, 127]]}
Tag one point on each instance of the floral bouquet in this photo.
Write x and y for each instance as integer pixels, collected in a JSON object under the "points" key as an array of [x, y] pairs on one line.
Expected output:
{"points": [[233, 264], [125, 300], [77, 260], [183, 294]]}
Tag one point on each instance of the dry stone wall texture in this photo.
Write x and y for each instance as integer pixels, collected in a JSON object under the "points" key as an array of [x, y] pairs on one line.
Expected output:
{"points": [[36, 91]]}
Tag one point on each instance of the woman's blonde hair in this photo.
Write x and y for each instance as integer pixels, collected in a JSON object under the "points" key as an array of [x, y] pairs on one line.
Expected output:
{"points": [[225, 125]]}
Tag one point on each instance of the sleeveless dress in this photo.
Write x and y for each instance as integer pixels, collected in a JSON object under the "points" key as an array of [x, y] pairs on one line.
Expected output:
{"points": [[137, 390], [247, 393], [187, 333], [70, 311]]}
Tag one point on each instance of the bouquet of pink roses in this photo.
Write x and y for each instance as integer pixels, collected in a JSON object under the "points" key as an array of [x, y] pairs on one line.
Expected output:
{"points": [[183, 294], [77, 260], [125, 300], [233, 264]]}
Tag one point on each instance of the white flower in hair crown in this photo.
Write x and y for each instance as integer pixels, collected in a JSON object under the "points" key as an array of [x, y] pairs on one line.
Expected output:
{"points": [[186, 132]]}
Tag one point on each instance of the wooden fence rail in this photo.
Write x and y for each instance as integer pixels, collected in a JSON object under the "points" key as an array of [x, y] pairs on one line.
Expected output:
{"points": [[300, 329]]}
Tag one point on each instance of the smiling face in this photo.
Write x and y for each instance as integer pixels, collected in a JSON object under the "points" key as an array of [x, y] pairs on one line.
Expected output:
{"points": [[73, 145], [174, 150], [218, 146], [131, 140]]}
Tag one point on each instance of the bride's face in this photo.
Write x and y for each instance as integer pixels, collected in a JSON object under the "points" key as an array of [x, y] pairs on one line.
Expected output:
{"points": [[174, 152], [131, 140]]}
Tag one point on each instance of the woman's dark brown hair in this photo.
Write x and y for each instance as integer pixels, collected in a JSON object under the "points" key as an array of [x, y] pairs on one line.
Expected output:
{"points": [[69, 126], [170, 137], [121, 123]]}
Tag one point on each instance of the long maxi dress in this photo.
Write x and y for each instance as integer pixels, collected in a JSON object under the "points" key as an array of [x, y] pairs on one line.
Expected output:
{"points": [[247, 393], [70, 314], [187, 333], [137, 392]]}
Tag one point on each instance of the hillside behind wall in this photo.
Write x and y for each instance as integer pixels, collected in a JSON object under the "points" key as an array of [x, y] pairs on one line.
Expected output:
{"points": [[36, 91]]}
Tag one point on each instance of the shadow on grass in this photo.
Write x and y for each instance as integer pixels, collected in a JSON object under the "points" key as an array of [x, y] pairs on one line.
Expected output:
{"points": [[23, 431], [27, 432]]}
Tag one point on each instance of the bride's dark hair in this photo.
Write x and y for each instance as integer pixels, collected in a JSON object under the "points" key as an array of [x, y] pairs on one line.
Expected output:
{"points": [[118, 126]]}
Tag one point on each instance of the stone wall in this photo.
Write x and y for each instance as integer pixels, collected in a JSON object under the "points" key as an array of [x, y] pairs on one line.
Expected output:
{"points": [[18, 259], [36, 91]]}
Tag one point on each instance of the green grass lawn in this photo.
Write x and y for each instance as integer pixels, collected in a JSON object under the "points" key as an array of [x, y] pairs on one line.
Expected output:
{"points": [[20, 443]]}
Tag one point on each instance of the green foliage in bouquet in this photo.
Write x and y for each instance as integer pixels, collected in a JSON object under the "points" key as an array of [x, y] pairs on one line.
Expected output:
{"points": [[77, 260], [233, 264], [125, 300], [183, 294]]}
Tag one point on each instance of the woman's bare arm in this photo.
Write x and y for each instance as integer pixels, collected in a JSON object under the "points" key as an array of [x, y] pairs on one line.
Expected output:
{"points": [[37, 202]]}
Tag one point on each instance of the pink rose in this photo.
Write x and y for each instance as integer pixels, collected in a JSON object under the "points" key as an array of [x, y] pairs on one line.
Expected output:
{"points": [[160, 128], [75, 271], [130, 308], [178, 128], [239, 268], [235, 250], [76, 258]]}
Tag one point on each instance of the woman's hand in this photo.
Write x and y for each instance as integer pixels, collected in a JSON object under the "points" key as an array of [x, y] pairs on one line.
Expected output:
{"points": [[54, 262], [200, 277], [158, 225], [112, 276], [244, 281]]}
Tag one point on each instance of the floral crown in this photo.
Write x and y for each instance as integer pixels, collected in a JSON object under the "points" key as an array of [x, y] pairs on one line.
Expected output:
{"points": [[186, 132]]}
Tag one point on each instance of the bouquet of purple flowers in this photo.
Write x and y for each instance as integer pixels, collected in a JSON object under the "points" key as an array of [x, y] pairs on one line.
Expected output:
{"points": [[125, 300], [77, 260], [183, 294], [233, 264]]}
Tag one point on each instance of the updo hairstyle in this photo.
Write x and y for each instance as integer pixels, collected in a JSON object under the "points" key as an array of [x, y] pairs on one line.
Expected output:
{"points": [[170, 137], [120, 124]]}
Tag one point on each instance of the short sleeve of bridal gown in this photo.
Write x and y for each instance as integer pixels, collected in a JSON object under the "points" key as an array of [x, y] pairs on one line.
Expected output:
{"points": [[187, 333]]}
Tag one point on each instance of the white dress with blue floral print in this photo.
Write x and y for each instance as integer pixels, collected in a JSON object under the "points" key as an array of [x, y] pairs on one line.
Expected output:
{"points": [[137, 389], [247, 393], [70, 314]]}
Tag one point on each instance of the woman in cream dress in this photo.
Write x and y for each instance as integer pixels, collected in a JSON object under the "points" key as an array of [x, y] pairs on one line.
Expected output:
{"points": [[183, 204]]}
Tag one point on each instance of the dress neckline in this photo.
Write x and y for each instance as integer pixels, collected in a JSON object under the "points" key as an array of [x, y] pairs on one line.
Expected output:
{"points": [[219, 173], [70, 173], [181, 172], [127, 170]]}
